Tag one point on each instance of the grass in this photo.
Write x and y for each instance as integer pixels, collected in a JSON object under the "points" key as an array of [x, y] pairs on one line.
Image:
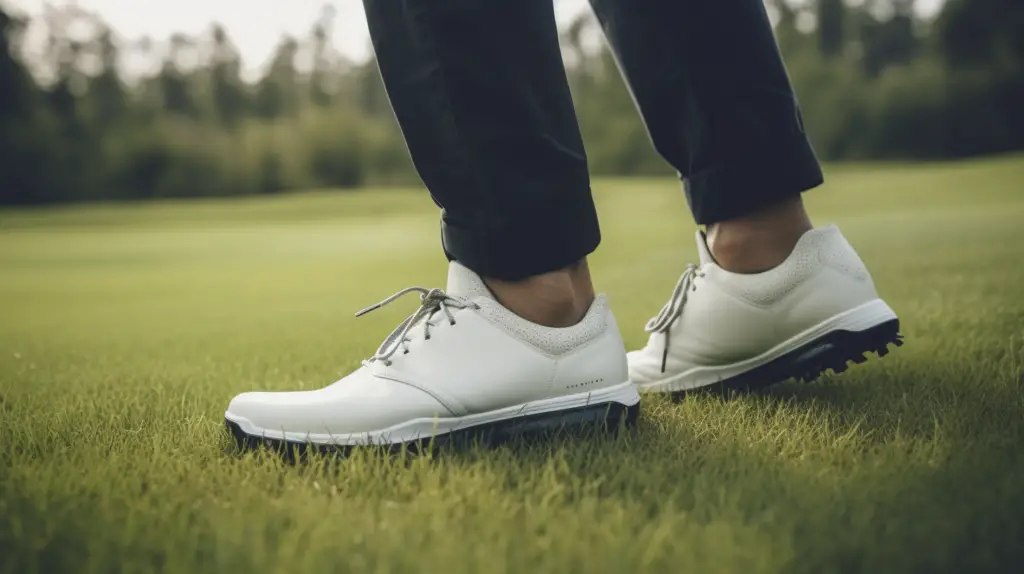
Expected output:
{"points": [[125, 331]]}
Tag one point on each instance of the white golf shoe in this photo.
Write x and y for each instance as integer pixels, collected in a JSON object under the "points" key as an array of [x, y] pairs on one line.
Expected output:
{"points": [[460, 366], [814, 312]]}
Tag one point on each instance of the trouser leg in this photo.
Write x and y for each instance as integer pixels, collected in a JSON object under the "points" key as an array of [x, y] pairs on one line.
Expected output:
{"points": [[711, 86], [480, 93]]}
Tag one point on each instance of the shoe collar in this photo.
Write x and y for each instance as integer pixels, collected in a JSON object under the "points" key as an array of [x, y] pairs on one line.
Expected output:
{"points": [[703, 251], [464, 283]]}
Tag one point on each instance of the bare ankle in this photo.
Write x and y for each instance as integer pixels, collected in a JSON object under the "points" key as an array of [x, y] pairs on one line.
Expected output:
{"points": [[556, 299], [760, 241]]}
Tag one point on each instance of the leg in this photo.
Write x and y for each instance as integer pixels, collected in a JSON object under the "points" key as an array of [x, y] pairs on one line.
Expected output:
{"points": [[711, 86], [481, 96], [772, 298], [482, 99]]}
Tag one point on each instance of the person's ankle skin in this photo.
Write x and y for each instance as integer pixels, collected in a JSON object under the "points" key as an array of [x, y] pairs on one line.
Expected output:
{"points": [[759, 241], [556, 299]]}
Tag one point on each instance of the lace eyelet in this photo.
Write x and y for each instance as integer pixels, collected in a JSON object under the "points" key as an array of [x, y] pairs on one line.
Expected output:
{"points": [[432, 301]]}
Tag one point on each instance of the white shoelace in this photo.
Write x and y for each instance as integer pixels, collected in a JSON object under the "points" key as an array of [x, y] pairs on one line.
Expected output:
{"points": [[433, 300], [674, 308]]}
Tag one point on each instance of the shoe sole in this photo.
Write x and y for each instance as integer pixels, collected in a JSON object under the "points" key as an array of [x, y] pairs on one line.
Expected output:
{"points": [[485, 429], [842, 339], [833, 352]]}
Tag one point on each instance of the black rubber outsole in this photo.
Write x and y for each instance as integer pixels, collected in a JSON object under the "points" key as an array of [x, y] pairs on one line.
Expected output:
{"points": [[604, 417], [832, 352]]}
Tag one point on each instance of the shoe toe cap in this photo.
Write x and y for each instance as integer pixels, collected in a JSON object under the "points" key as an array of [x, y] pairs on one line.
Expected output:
{"points": [[359, 403]]}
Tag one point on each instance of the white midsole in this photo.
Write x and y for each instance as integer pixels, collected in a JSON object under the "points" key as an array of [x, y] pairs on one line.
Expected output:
{"points": [[416, 429], [859, 318]]}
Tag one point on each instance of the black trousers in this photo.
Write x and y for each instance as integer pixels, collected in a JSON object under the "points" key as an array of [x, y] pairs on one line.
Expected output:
{"points": [[481, 95]]}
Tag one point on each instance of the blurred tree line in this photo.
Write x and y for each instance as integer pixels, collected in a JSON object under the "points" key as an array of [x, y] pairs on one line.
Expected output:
{"points": [[874, 81]]}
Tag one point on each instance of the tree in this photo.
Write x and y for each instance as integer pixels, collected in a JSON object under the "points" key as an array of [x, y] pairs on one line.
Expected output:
{"points": [[106, 93], [17, 91], [830, 27], [173, 82], [981, 32], [320, 89], [368, 92], [22, 155], [887, 34], [230, 100], [276, 93]]}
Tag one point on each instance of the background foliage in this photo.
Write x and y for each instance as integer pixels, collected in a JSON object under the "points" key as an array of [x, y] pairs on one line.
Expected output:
{"points": [[874, 80]]}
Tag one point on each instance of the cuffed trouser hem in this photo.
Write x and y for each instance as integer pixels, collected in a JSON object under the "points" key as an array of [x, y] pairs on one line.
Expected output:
{"points": [[547, 239], [737, 189]]}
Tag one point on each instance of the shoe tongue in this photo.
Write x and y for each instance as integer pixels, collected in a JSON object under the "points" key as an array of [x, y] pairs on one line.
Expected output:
{"points": [[464, 283], [702, 249]]}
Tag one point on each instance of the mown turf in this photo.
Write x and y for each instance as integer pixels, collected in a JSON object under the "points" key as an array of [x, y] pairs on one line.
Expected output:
{"points": [[125, 331]]}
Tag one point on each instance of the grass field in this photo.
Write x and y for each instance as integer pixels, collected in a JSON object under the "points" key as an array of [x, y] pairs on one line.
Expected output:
{"points": [[125, 331]]}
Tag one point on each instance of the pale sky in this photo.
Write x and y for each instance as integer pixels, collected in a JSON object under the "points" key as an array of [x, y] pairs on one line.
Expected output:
{"points": [[255, 26]]}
